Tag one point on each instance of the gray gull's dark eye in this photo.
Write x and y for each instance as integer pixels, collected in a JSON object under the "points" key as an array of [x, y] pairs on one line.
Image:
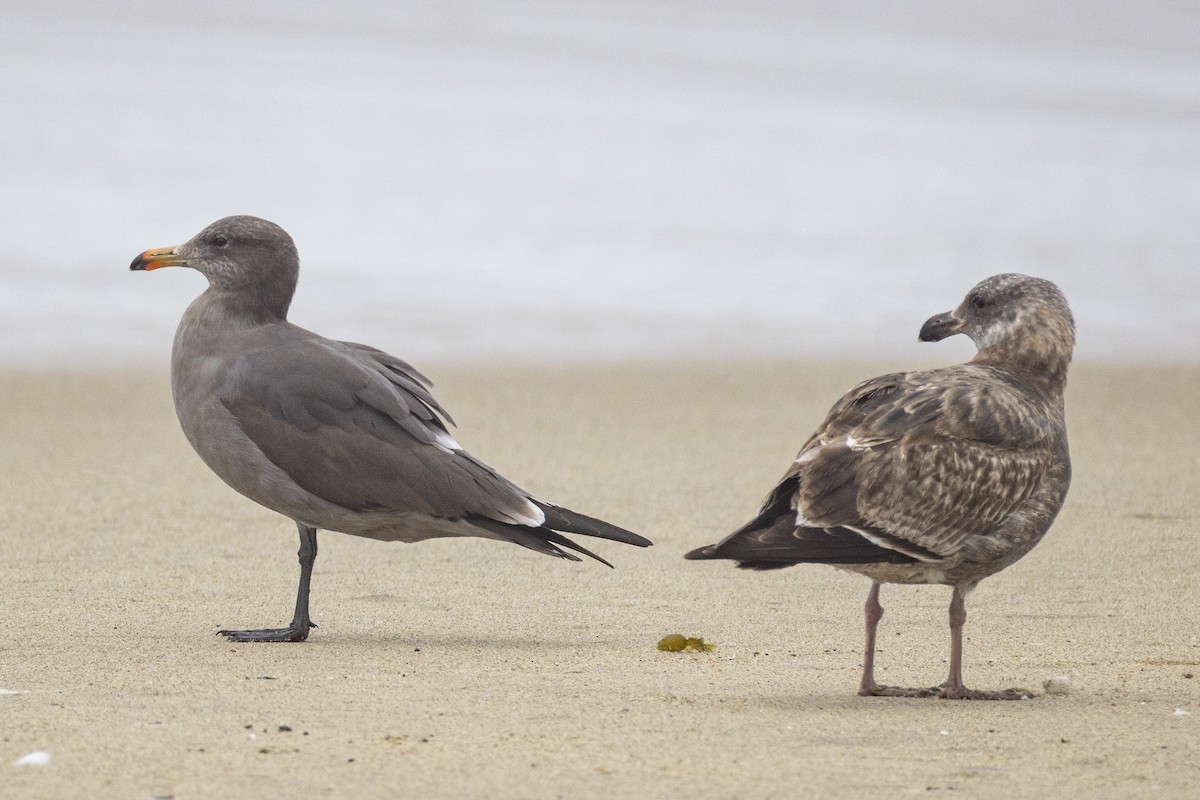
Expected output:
{"points": [[220, 241], [979, 301]]}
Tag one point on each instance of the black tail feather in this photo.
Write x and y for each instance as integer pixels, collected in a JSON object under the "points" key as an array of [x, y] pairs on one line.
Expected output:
{"points": [[568, 521], [549, 541], [533, 538], [562, 541]]}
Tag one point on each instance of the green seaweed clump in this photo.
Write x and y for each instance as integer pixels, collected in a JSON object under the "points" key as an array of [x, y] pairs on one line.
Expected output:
{"points": [[678, 643], [672, 643]]}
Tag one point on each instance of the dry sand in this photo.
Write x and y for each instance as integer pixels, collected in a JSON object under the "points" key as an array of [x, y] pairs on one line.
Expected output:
{"points": [[474, 669]]}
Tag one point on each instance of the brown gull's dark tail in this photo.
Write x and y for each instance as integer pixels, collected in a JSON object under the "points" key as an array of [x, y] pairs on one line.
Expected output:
{"points": [[772, 540]]}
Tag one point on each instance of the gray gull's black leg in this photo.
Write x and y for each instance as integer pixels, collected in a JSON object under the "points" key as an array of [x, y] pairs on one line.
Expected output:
{"points": [[298, 630]]}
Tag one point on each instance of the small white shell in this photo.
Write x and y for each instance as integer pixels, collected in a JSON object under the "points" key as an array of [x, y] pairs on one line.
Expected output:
{"points": [[38, 758]]}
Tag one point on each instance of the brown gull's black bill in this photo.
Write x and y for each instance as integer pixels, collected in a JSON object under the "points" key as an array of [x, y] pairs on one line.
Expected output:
{"points": [[939, 327]]}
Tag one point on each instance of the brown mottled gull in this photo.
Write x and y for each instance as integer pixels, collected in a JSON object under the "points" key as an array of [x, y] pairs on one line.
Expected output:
{"points": [[335, 435], [941, 476]]}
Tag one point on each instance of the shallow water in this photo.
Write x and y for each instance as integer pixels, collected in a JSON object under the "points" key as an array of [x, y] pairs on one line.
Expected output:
{"points": [[604, 180]]}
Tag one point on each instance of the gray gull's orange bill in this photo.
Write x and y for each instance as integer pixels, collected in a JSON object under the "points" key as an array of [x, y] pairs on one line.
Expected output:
{"points": [[159, 257]]}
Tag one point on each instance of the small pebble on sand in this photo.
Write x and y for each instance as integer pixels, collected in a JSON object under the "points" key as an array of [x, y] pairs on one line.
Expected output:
{"points": [[1058, 684]]}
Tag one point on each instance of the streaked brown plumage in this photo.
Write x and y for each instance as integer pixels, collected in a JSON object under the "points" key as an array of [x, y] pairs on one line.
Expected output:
{"points": [[939, 476], [335, 435]]}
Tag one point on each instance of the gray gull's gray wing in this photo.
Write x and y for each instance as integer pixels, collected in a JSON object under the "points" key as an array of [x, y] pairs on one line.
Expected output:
{"points": [[362, 433]]}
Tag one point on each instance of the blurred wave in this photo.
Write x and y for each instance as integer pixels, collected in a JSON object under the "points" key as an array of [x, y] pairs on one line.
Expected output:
{"points": [[604, 180]]}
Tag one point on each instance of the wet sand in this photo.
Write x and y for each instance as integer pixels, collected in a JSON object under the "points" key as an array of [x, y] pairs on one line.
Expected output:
{"points": [[475, 669]]}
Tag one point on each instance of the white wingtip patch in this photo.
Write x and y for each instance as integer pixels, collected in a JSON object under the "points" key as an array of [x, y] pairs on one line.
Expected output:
{"points": [[446, 442], [534, 517]]}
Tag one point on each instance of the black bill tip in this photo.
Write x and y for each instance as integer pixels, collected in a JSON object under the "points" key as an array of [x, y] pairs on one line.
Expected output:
{"points": [[939, 327]]}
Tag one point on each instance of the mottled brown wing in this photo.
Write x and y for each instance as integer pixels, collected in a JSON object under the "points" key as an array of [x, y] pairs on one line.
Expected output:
{"points": [[823, 482], [858, 405], [927, 458]]}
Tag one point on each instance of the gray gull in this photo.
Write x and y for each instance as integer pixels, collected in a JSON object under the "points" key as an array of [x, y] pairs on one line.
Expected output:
{"points": [[942, 476], [334, 435]]}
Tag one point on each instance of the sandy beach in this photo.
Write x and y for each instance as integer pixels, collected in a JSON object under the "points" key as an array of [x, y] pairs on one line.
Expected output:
{"points": [[470, 668]]}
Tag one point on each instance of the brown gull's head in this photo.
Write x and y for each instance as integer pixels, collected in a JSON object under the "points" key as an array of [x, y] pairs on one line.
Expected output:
{"points": [[1016, 321]]}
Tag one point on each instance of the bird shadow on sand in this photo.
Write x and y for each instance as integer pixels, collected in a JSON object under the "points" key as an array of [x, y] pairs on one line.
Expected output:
{"points": [[424, 641], [852, 703]]}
